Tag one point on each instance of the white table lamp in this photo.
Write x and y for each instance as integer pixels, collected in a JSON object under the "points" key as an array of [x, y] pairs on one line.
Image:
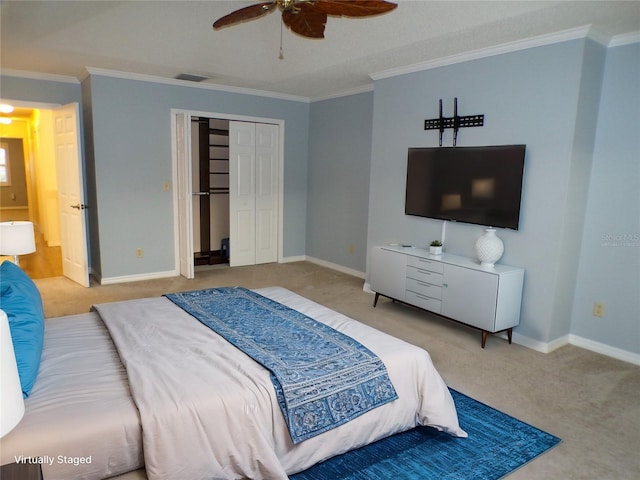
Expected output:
{"points": [[17, 238], [11, 400]]}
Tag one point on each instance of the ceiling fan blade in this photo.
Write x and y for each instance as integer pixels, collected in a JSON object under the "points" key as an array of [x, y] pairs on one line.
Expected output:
{"points": [[351, 8], [246, 13], [305, 20]]}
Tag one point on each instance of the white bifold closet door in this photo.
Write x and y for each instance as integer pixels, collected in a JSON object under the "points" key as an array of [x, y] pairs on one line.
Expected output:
{"points": [[253, 193]]}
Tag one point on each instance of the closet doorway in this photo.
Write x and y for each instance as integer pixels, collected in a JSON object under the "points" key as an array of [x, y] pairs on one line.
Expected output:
{"points": [[228, 172], [210, 185]]}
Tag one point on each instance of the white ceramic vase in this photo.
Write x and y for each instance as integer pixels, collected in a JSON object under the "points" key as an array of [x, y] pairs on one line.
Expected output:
{"points": [[489, 248]]}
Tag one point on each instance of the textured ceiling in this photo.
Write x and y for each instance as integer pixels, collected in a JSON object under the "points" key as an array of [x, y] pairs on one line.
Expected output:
{"points": [[166, 38]]}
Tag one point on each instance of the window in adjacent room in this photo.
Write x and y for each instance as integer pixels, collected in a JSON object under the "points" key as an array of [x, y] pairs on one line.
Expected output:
{"points": [[5, 170]]}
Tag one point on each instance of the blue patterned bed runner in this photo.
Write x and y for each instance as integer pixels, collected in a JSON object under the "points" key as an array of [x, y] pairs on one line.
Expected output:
{"points": [[317, 388]]}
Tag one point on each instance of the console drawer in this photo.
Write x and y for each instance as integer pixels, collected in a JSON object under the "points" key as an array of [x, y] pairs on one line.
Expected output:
{"points": [[424, 288], [424, 275], [425, 264], [422, 301]]}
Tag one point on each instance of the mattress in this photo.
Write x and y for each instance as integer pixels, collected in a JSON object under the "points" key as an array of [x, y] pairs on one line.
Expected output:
{"points": [[82, 421]]}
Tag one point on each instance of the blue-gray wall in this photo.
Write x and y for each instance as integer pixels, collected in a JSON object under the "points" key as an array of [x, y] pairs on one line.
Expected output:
{"points": [[575, 104], [127, 138], [132, 160], [548, 98], [338, 193], [609, 269], [43, 91]]}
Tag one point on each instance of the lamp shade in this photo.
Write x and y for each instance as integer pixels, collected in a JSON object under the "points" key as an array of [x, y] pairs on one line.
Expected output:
{"points": [[11, 400], [17, 238]]}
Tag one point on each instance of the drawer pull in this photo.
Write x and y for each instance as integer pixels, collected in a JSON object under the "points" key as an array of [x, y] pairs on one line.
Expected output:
{"points": [[424, 297], [425, 264]]}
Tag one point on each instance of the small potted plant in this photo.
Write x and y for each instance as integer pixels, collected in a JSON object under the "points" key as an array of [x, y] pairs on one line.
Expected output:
{"points": [[435, 247]]}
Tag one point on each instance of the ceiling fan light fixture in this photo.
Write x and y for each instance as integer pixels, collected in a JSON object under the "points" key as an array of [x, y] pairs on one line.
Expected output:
{"points": [[286, 4], [307, 17]]}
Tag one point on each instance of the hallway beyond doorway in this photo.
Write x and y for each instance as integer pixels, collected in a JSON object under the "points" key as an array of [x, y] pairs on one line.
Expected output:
{"points": [[45, 262]]}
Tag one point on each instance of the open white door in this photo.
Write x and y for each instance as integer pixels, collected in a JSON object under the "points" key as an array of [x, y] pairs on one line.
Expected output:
{"points": [[71, 194], [185, 203]]}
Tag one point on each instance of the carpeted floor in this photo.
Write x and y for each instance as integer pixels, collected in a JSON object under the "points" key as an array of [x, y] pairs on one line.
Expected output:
{"points": [[589, 400], [497, 445]]}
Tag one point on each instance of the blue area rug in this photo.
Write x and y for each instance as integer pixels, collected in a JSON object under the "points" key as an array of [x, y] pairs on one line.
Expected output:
{"points": [[497, 445]]}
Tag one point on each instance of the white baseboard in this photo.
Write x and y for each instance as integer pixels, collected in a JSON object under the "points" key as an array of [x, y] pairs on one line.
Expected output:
{"points": [[537, 345], [174, 273], [137, 277], [597, 347], [543, 347], [607, 350], [548, 347], [335, 266], [297, 258]]}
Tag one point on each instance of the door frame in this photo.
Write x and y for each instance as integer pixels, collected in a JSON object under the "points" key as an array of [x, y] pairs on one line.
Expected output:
{"points": [[36, 105], [175, 168]]}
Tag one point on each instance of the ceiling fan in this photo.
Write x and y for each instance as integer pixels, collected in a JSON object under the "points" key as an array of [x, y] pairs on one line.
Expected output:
{"points": [[308, 17]]}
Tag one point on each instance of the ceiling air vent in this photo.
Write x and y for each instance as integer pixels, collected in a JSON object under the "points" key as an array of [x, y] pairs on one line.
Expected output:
{"points": [[190, 77]]}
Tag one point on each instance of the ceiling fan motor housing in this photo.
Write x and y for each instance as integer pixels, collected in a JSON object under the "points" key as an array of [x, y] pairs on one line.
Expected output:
{"points": [[286, 4]]}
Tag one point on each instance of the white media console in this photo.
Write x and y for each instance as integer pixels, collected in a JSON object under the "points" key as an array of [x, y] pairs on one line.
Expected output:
{"points": [[487, 298]]}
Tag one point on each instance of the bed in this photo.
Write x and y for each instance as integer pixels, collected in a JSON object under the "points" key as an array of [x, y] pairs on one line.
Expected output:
{"points": [[207, 409]]}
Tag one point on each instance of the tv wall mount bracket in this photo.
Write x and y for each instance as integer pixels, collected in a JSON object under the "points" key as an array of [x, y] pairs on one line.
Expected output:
{"points": [[456, 122]]}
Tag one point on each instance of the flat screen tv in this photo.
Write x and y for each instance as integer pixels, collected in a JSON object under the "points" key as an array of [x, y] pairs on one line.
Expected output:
{"points": [[479, 185]]}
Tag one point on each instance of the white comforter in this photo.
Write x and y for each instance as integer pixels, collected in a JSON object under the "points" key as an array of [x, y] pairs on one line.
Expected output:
{"points": [[209, 411]]}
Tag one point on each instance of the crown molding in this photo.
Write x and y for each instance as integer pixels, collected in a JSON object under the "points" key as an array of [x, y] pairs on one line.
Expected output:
{"points": [[38, 76], [624, 39], [562, 36], [345, 93], [598, 36], [184, 83]]}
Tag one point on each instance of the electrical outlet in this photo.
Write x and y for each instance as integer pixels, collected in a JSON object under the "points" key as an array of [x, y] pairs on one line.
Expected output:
{"points": [[166, 186], [139, 253], [352, 249], [598, 309]]}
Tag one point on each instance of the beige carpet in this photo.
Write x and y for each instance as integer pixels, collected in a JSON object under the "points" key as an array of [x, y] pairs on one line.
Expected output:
{"points": [[589, 400]]}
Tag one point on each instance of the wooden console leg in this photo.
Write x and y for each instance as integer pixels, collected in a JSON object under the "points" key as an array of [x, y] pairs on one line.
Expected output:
{"points": [[484, 337], [509, 334], [375, 300]]}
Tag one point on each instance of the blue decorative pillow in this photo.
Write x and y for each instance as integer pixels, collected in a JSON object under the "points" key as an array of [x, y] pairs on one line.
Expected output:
{"points": [[21, 301]]}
